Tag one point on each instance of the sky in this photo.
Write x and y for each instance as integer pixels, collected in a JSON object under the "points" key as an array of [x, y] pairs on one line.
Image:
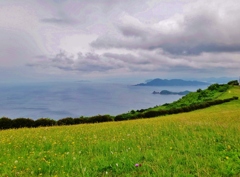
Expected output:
{"points": [[115, 40]]}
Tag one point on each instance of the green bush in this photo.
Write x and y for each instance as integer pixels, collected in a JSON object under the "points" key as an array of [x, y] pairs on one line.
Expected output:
{"points": [[223, 88], [80, 120], [5, 123], [141, 110], [199, 90], [23, 122], [125, 116], [100, 118], [213, 87], [120, 118], [43, 122], [66, 121], [151, 114], [234, 82]]}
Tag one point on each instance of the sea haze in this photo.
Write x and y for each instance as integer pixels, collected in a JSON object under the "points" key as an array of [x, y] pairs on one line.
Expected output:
{"points": [[60, 100]]}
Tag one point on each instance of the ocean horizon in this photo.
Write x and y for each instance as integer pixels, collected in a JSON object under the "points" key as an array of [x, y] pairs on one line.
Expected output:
{"points": [[57, 100]]}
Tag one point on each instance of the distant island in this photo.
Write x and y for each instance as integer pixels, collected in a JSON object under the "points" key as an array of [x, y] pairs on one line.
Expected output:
{"points": [[171, 82], [166, 92]]}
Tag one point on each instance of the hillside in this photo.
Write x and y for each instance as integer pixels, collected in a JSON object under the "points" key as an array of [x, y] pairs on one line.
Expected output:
{"points": [[192, 101], [199, 143]]}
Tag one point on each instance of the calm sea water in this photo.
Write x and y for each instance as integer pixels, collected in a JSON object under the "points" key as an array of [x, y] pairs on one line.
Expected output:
{"points": [[59, 100]]}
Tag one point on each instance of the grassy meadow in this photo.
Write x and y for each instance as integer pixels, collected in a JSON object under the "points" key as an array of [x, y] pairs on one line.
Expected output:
{"points": [[200, 143]]}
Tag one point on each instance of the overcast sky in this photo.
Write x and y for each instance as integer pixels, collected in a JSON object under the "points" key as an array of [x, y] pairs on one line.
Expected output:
{"points": [[115, 39]]}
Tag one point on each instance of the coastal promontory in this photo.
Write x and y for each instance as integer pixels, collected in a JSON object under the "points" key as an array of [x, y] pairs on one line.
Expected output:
{"points": [[171, 82], [166, 92]]}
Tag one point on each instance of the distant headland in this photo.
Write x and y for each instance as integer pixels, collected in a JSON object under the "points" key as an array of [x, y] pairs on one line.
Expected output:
{"points": [[166, 92], [171, 82]]}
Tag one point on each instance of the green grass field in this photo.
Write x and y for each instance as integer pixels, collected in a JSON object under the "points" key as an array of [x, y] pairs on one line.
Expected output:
{"points": [[200, 143]]}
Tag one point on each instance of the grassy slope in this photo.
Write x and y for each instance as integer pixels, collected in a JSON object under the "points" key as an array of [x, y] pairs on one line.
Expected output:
{"points": [[200, 143], [192, 98]]}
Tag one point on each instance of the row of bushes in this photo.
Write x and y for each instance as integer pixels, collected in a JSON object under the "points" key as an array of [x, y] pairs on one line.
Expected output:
{"points": [[187, 108], [234, 82], [219, 87], [155, 113], [6, 123]]}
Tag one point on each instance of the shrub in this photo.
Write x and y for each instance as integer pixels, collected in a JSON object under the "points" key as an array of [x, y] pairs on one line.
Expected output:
{"points": [[213, 87], [234, 82], [43, 122], [23, 122], [132, 112], [80, 120], [141, 110], [151, 114], [120, 118], [66, 121], [124, 117], [138, 115], [100, 118], [223, 88], [5, 123], [173, 111], [202, 94], [199, 90], [185, 109], [166, 104], [235, 98]]}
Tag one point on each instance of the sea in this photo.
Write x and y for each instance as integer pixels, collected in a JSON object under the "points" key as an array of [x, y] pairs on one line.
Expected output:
{"points": [[57, 100]]}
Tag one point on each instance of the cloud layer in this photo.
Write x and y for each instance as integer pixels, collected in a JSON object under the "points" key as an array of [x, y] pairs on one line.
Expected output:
{"points": [[115, 38], [201, 28]]}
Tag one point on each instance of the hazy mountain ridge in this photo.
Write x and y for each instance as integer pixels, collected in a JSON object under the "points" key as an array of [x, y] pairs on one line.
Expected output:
{"points": [[171, 82], [167, 92]]}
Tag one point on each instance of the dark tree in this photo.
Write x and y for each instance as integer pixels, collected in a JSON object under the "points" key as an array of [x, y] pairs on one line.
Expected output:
{"points": [[5, 123], [23, 122], [234, 82], [43, 122], [66, 121]]}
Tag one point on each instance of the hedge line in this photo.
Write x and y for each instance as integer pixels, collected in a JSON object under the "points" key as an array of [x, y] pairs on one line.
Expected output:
{"points": [[7, 123]]}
